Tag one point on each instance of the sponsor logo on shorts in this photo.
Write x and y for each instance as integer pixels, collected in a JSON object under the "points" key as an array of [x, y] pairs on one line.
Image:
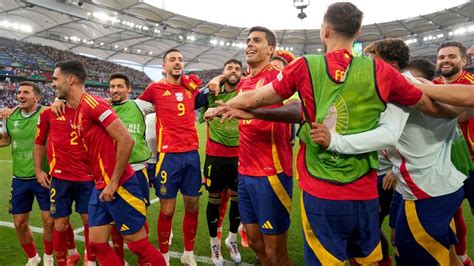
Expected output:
{"points": [[52, 208], [267, 225], [124, 227]]}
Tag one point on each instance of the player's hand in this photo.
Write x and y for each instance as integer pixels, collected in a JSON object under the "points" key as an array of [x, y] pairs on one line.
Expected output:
{"points": [[320, 134], [228, 113], [389, 181], [210, 114], [58, 108], [215, 84], [6, 112], [108, 193], [43, 179]]}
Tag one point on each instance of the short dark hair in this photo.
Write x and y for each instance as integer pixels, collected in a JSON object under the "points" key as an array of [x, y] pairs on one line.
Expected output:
{"points": [[391, 49], [36, 87], [344, 18], [424, 66], [459, 45], [270, 35], [120, 76], [170, 51], [233, 61], [75, 68]]}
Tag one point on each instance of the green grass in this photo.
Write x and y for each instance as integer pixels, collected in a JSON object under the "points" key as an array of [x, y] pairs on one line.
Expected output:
{"points": [[12, 254]]}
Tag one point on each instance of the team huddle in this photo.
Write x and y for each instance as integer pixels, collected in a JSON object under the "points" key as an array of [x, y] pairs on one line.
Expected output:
{"points": [[377, 138]]}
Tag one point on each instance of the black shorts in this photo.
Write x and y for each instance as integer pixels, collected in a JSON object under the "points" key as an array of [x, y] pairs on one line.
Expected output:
{"points": [[220, 173]]}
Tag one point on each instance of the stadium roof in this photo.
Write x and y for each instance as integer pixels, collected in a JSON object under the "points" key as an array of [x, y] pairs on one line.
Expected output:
{"points": [[135, 31]]}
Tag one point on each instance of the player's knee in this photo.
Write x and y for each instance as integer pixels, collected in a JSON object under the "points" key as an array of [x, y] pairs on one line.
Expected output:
{"points": [[21, 224], [60, 225], [48, 224], [256, 245]]}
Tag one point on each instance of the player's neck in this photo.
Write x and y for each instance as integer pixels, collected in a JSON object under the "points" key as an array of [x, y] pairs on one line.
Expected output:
{"points": [[257, 67], [339, 44], [229, 88], [172, 80], [75, 96], [451, 79], [27, 111]]}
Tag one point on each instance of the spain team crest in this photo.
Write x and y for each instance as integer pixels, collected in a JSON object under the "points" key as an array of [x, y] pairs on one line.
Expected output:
{"points": [[52, 208], [163, 190], [179, 96]]}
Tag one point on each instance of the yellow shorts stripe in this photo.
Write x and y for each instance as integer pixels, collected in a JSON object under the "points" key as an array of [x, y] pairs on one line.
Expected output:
{"points": [[374, 256], [159, 163], [133, 201], [438, 251], [280, 191], [324, 256], [145, 174]]}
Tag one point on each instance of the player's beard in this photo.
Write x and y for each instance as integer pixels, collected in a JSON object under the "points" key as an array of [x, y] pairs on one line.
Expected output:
{"points": [[230, 82], [176, 76], [454, 70]]}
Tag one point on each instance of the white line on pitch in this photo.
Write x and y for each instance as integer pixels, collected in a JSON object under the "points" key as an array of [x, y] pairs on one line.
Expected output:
{"points": [[5, 161], [173, 254]]}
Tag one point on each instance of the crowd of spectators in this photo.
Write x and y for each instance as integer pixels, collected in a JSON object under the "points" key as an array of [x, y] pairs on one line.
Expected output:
{"points": [[9, 89], [36, 60]]}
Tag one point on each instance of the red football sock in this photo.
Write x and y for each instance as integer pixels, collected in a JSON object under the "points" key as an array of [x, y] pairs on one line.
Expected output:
{"points": [[461, 232], [164, 231], [117, 241], [48, 246], [223, 207], [146, 252], [70, 237], [30, 249], [190, 223], [90, 254], [105, 254], [60, 250]]}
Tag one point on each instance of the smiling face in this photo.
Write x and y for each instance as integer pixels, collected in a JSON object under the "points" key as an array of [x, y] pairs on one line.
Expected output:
{"points": [[60, 84], [174, 65], [258, 50], [232, 73], [27, 99], [118, 90], [449, 61]]}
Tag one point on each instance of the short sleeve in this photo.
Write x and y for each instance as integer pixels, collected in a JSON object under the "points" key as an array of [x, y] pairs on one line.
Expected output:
{"points": [[42, 128], [393, 87], [148, 94], [286, 82], [102, 113]]}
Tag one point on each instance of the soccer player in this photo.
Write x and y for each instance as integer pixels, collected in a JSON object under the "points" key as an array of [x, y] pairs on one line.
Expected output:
{"points": [[178, 166], [341, 86], [220, 166], [133, 118], [71, 180], [117, 196], [265, 157], [451, 58], [19, 130]]}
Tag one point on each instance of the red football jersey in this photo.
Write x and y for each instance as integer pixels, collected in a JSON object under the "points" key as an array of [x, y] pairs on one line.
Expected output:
{"points": [[392, 87], [264, 147], [467, 126], [175, 116], [67, 156], [93, 115]]}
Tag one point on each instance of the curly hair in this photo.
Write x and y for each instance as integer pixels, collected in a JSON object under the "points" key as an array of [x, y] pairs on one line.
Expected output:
{"points": [[391, 49]]}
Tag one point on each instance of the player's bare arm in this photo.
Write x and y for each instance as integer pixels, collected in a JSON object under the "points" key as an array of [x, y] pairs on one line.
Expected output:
{"points": [[454, 94], [124, 147], [290, 113], [263, 96], [4, 137], [39, 152], [435, 109]]}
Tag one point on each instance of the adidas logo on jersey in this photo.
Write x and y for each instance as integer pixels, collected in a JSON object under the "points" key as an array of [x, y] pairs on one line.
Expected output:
{"points": [[124, 227], [267, 225], [167, 93]]}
